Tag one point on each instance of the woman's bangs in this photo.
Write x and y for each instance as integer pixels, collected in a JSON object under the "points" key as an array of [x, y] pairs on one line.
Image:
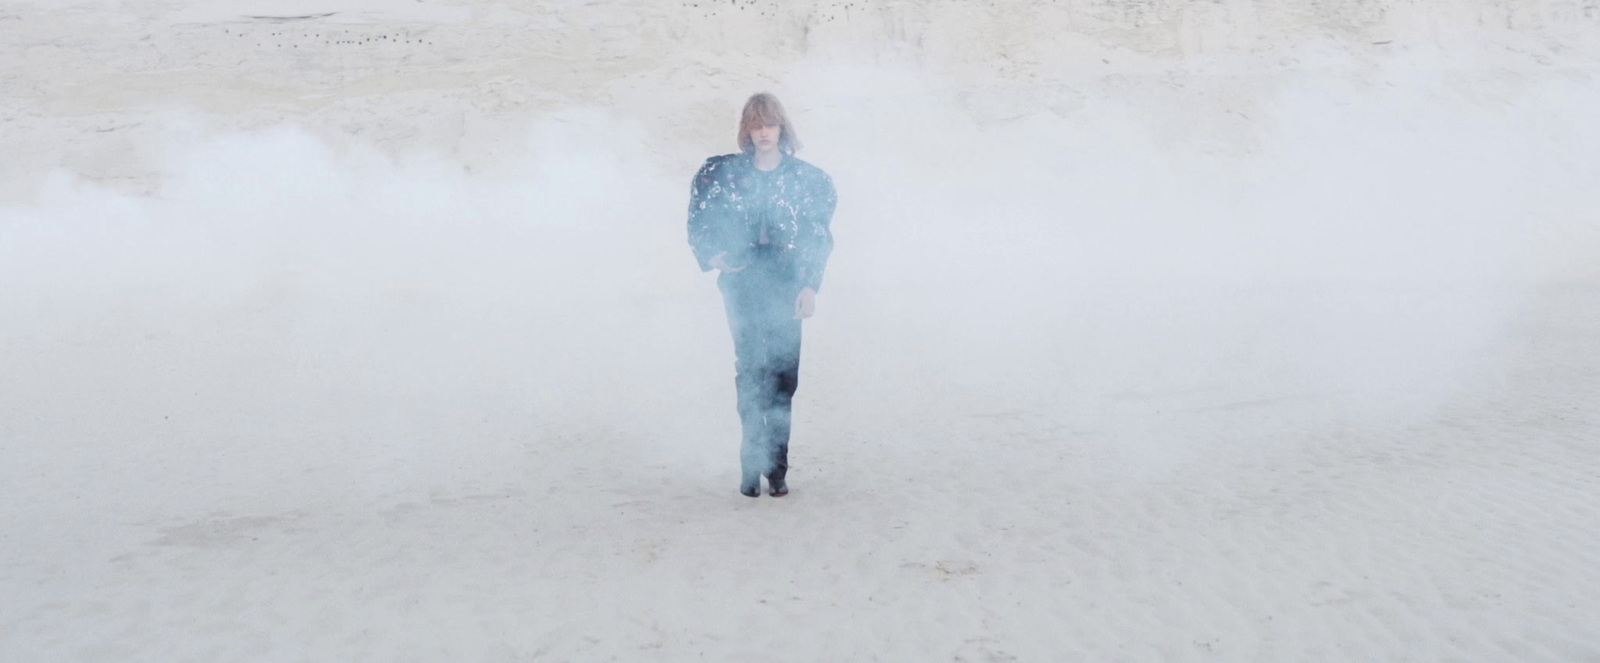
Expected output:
{"points": [[762, 115]]}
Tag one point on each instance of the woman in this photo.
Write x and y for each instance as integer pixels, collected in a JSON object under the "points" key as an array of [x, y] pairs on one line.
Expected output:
{"points": [[760, 218]]}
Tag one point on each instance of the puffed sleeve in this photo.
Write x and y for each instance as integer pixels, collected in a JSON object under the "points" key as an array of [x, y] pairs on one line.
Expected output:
{"points": [[815, 240], [707, 213]]}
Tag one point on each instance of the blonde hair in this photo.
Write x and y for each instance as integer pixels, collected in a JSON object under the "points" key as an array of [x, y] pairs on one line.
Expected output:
{"points": [[763, 109]]}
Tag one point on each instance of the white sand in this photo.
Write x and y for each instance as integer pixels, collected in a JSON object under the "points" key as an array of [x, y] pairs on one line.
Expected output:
{"points": [[1157, 331]]}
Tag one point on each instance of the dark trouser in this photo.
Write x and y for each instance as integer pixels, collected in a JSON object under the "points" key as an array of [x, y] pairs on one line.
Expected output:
{"points": [[766, 344]]}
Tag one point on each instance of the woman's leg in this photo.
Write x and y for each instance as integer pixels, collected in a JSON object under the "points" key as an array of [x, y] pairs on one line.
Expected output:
{"points": [[766, 343], [784, 380], [744, 323]]}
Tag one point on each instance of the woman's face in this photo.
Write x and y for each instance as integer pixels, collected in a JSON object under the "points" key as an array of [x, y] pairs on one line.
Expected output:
{"points": [[765, 137]]}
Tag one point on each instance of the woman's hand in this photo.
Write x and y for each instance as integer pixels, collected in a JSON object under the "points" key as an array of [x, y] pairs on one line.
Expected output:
{"points": [[717, 262], [805, 304]]}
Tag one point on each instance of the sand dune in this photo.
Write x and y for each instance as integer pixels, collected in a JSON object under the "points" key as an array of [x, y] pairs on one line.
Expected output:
{"points": [[1156, 331]]}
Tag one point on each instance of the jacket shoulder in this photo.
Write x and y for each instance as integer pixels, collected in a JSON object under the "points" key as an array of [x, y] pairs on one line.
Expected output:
{"points": [[809, 170], [803, 166], [719, 162]]}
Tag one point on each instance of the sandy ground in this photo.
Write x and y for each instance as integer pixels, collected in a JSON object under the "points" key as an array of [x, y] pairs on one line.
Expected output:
{"points": [[947, 531], [343, 330]]}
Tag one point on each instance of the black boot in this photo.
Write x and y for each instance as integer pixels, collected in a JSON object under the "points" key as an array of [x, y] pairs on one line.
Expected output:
{"points": [[775, 480]]}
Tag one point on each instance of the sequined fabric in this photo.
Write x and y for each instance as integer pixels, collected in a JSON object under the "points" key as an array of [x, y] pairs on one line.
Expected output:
{"points": [[735, 207]]}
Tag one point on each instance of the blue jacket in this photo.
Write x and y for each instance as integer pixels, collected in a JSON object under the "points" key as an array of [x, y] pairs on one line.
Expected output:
{"points": [[733, 206]]}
